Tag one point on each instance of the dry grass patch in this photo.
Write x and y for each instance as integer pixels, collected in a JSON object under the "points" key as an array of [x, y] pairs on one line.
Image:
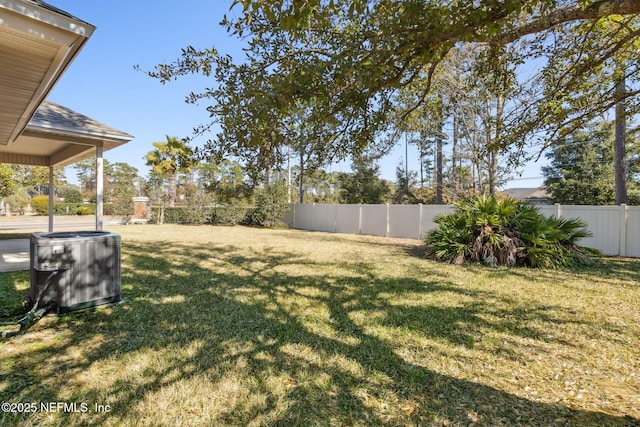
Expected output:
{"points": [[244, 326]]}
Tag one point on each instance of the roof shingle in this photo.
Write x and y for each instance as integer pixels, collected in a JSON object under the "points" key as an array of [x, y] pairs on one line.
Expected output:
{"points": [[52, 117], [54, 9]]}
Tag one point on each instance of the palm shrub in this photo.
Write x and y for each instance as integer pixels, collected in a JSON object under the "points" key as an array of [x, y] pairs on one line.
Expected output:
{"points": [[508, 232]]}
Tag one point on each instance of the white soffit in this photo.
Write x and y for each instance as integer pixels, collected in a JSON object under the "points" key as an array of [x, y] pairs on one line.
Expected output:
{"points": [[37, 44]]}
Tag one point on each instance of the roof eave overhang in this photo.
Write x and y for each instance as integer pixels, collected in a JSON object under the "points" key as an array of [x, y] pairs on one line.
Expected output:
{"points": [[31, 21], [84, 138], [57, 19], [76, 146]]}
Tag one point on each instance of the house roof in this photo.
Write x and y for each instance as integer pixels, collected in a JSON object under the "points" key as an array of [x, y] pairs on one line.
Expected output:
{"points": [[528, 194], [37, 43], [54, 118], [53, 9], [59, 136]]}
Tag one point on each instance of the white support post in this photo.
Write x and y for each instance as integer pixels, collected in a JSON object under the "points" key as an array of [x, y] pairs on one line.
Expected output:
{"points": [[99, 187], [623, 230], [51, 197]]}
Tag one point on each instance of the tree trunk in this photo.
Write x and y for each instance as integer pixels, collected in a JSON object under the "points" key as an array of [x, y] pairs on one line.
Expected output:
{"points": [[172, 188], [474, 187], [620, 143], [265, 158], [301, 181], [493, 149], [421, 160], [406, 162], [288, 173], [454, 156], [493, 172], [439, 200], [267, 174]]}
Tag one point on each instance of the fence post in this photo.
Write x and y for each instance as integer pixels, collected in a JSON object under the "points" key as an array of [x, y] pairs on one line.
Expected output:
{"points": [[420, 219], [623, 230], [335, 217], [386, 231], [558, 210], [313, 216], [359, 218]]}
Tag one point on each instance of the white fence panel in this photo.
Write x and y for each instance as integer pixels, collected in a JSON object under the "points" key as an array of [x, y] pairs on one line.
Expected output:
{"points": [[632, 235], [404, 221], [548, 210], [304, 217], [604, 222], [615, 229], [324, 218], [348, 219], [289, 216], [429, 213], [374, 220]]}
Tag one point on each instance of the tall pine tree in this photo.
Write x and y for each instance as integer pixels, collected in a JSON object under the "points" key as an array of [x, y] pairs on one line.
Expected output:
{"points": [[581, 169]]}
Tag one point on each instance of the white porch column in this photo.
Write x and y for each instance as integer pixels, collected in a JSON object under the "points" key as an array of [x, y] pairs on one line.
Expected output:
{"points": [[51, 198], [99, 187]]}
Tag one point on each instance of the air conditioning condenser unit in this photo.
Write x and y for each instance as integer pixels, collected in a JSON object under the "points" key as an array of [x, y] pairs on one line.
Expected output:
{"points": [[73, 270]]}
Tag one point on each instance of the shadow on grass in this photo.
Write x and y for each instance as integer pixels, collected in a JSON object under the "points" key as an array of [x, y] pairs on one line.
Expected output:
{"points": [[605, 269], [614, 268], [12, 295], [256, 318]]}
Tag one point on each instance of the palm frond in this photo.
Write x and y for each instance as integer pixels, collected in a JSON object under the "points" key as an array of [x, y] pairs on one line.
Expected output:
{"points": [[509, 232]]}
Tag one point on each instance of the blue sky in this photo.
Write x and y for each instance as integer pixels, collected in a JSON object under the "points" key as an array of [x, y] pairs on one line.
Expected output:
{"points": [[103, 84]]}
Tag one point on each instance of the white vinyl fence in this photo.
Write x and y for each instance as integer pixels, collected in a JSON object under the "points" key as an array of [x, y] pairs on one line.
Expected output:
{"points": [[615, 229]]}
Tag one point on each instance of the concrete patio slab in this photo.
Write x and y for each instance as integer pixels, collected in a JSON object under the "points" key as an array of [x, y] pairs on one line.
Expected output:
{"points": [[14, 255]]}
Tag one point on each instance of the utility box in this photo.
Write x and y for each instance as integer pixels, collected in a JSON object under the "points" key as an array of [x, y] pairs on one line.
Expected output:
{"points": [[74, 269]]}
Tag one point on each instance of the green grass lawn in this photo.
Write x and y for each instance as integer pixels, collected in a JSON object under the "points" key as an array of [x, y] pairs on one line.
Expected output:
{"points": [[243, 326]]}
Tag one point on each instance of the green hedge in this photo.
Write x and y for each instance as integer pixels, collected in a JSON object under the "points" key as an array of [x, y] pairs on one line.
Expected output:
{"points": [[41, 206], [74, 209], [232, 214], [219, 215], [183, 215], [109, 209], [81, 209]]}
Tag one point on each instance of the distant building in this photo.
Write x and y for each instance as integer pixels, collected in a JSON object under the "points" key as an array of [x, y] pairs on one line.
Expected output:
{"points": [[535, 196]]}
